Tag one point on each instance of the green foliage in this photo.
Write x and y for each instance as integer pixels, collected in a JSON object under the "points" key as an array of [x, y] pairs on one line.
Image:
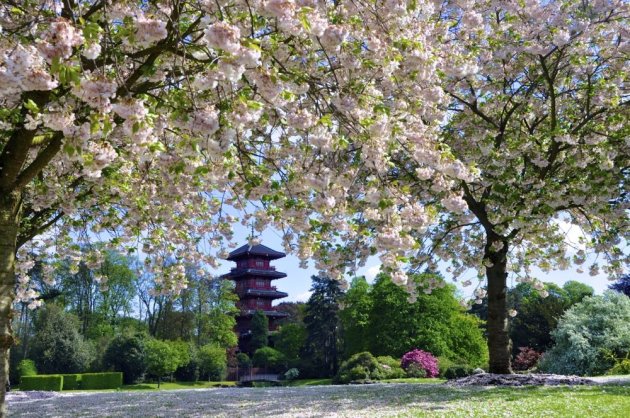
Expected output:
{"points": [[188, 370], [322, 323], [434, 322], [243, 360], [162, 358], [291, 374], [621, 367], [71, 381], [260, 331], [415, 370], [27, 367], [212, 362], [57, 346], [53, 382], [355, 317], [590, 335], [290, 340], [269, 358], [390, 367], [443, 364], [361, 367], [455, 372], [537, 316], [126, 354], [109, 380]]}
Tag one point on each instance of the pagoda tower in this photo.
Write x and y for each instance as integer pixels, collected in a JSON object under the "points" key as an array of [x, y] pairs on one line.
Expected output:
{"points": [[253, 276]]}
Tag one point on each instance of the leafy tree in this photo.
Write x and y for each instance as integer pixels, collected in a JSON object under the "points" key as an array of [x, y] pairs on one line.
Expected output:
{"points": [[622, 285], [260, 331], [127, 354], [538, 316], [57, 346], [322, 323], [590, 336], [269, 358], [355, 317], [290, 340], [433, 322], [294, 311], [212, 362], [162, 358]]}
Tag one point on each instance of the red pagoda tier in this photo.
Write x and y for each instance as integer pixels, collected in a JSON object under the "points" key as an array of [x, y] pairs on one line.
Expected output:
{"points": [[253, 276]]}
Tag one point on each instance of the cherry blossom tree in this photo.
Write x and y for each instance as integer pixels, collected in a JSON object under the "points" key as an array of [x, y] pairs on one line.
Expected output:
{"points": [[532, 139], [150, 124]]}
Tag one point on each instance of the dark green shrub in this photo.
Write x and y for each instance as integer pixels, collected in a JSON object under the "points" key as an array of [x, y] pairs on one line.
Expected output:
{"points": [[71, 381], [443, 364], [188, 370], [455, 372], [126, 354], [243, 360], [57, 346], [390, 367], [361, 367], [110, 380], [52, 382], [27, 367]]}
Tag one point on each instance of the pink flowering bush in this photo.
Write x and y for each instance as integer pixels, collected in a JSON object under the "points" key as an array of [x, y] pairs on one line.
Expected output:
{"points": [[423, 359]]}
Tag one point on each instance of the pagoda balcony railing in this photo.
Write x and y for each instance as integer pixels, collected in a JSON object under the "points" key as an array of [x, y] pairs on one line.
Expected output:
{"points": [[267, 292], [268, 312]]}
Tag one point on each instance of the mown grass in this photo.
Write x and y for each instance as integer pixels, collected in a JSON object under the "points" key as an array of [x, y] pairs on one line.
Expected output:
{"points": [[564, 401]]}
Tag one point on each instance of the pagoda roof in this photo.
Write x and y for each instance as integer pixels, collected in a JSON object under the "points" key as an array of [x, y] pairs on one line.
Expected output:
{"points": [[238, 272], [256, 250]]}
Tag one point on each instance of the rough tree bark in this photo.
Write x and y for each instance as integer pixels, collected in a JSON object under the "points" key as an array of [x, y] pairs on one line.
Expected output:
{"points": [[498, 337], [9, 223]]}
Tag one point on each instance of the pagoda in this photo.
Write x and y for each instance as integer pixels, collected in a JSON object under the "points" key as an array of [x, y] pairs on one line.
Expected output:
{"points": [[253, 276]]}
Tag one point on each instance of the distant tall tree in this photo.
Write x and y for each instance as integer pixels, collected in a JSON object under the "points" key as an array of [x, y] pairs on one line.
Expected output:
{"points": [[355, 317], [260, 331], [295, 311], [323, 325], [622, 285]]}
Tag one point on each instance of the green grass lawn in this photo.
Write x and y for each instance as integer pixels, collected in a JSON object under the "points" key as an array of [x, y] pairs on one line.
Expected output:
{"points": [[580, 401]]}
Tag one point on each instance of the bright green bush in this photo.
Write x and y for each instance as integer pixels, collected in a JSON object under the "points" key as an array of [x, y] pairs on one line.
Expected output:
{"points": [[162, 357], [390, 367], [620, 367], [269, 358], [590, 335], [361, 367], [71, 381], [291, 374], [212, 362], [52, 382], [110, 380], [27, 367], [455, 372]]}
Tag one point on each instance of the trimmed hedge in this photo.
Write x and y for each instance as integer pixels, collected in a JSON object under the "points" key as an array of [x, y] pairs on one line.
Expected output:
{"points": [[71, 381], [110, 380], [46, 382]]}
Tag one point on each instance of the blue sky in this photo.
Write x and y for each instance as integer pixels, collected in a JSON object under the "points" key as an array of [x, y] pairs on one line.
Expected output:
{"points": [[298, 281]]}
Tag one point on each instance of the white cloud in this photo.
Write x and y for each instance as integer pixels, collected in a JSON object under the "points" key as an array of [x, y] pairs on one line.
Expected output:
{"points": [[303, 297]]}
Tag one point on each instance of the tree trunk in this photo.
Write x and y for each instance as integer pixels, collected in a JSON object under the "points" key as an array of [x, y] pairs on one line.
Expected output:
{"points": [[9, 222], [498, 337]]}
